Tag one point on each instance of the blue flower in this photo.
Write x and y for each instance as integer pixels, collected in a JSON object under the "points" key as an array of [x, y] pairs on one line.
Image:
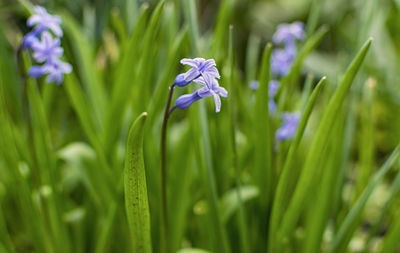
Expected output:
{"points": [[47, 49], [211, 88], [55, 69], [253, 85], [281, 61], [289, 126], [44, 21], [273, 87], [288, 33], [200, 67]]}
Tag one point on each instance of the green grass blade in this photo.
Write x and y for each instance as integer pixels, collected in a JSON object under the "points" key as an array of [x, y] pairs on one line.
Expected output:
{"points": [[311, 168], [122, 92], [230, 201], [46, 164], [201, 135], [262, 136], [320, 209], [233, 127], [353, 218], [4, 235], [136, 202], [394, 191], [313, 16], [85, 60], [390, 242], [82, 109], [282, 194], [252, 55], [287, 84]]}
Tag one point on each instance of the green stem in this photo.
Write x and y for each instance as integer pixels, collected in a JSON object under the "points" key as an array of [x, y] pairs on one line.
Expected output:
{"points": [[164, 206]]}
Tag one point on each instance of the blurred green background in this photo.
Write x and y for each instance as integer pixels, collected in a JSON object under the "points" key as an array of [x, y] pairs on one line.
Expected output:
{"points": [[116, 77]]}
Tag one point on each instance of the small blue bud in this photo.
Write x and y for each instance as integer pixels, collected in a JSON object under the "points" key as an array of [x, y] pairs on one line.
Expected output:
{"points": [[180, 80], [187, 100]]}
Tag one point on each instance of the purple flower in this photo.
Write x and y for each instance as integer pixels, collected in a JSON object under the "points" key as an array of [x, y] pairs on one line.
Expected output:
{"points": [[47, 49], [254, 85], [44, 21], [210, 88], [288, 33], [200, 67], [281, 61], [289, 126], [55, 69], [272, 106], [273, 87]]}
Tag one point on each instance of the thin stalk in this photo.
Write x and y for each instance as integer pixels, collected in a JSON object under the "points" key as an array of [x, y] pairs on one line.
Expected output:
{"points": [[164, 206]]}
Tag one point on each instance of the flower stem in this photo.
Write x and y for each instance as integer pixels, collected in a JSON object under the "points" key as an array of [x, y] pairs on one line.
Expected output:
{"points": [[164, 207]]}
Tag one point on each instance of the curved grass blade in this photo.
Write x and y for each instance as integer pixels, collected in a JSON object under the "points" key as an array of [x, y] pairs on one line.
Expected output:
{"points": [[4, 235], [46, 163], [311, 168], [84, 57], [319, 211], [354, 217], [122, 91], [136, 202], [201, 135], [306, 49], [87, 121], [262, 140], [394, 191], [281, 194], [390, 242], [230, 201]]}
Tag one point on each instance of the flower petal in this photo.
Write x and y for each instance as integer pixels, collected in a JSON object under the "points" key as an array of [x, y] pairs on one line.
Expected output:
{"points": [[217, 101], [204, 92], [191, 74], [221, 91], [186, 100], [190, 62]]}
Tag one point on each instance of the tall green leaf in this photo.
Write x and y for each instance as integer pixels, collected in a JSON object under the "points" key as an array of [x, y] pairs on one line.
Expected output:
{"points": [[311, 168], [136, 202]]}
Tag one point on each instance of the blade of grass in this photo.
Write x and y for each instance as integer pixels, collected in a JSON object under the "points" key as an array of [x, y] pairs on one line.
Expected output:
{"points": [[5, 236], [367, 148], [262, 136], [287, 83], [353, 218], [320, 209], [394, 191], [234, 125], [84, 58], [311, 168], [390, 242], [252, 52], [46, 164], [200, 131], [136, 202], [82, 109], [282, 194]]}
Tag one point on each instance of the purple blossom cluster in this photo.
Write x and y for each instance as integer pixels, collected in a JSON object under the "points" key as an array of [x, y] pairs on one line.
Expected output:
{"points": [[44, 40], [281, 62], [288, 128], [205, 73], [286, 35], [273, 87]]}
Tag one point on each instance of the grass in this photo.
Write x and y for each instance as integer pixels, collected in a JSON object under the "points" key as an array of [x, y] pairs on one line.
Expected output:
{"points": [[80, 163]]}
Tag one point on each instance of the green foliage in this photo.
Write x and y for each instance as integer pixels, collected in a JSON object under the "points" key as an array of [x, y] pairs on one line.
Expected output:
{"points": [[136, 202], [76, 175]]}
